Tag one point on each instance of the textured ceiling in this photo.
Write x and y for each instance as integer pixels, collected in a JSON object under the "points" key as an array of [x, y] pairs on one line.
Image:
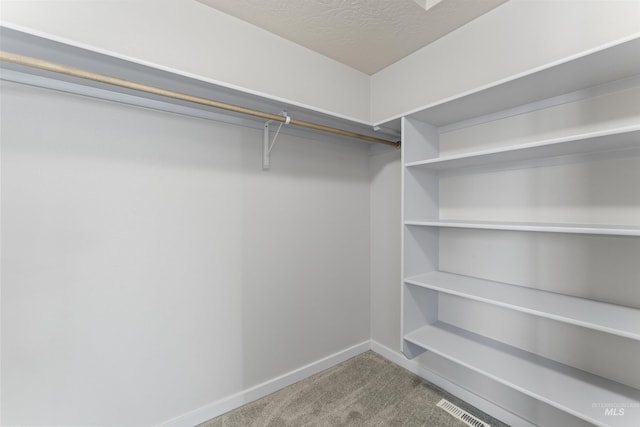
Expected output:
{"points": [[367, 35]]}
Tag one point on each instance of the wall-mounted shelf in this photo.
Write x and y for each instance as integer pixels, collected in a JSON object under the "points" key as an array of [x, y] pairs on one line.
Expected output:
{"points": [[596, 142], [611, 230], [610, 318], [589, 69], [95, 66], [561, 386]]}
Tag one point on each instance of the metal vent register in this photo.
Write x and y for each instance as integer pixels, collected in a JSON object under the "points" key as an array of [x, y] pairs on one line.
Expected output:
{"points": [[461, 414]]}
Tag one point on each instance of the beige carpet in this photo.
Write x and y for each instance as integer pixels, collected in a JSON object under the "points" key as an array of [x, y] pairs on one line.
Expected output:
{"points": [[366, 390]]}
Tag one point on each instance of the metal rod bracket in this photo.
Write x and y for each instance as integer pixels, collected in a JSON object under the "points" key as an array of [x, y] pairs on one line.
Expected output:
{"points": [[268, 145]]}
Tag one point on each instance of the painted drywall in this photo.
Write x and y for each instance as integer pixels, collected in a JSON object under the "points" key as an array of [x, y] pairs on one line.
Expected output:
{"points": [[189, 37], [150, 267], [516, 37], [385, 247]]}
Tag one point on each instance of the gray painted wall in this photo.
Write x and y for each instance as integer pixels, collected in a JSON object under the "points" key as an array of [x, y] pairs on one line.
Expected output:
{"points": [[151, 267]]}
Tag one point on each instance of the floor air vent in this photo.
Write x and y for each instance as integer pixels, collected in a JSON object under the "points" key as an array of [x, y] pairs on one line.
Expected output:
{"points": [[461, 414]]}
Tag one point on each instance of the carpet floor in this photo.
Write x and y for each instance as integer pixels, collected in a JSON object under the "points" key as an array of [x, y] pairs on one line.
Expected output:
{"points": [[366, 390]]}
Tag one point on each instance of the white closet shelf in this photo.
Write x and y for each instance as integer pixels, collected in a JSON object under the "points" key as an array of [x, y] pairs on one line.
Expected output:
{"points": [[569, 389], [600, 316], [606, 64], [606, 229], [594, 142]]}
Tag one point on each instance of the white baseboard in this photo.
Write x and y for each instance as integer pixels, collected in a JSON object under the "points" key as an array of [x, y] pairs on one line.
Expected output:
{"points": [[243, 397], [461, 393]]}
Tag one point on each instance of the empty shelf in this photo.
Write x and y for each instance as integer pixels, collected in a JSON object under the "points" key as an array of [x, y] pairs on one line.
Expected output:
{"points": [[610, 318], [613, 230], [572, 390], [604, 141]]}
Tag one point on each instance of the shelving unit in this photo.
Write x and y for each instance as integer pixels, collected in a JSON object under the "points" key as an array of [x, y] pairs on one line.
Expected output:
{"points": [[565, 387]]}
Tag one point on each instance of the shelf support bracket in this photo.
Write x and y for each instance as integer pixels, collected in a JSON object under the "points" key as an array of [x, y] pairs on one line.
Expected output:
{"points": [[268, 145]]}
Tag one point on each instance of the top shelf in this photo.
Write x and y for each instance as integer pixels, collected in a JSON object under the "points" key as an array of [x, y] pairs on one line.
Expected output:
{"points": [[586, 70]]}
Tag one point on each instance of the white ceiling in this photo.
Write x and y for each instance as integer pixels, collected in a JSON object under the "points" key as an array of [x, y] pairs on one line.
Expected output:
{"points": [[367, 35]]}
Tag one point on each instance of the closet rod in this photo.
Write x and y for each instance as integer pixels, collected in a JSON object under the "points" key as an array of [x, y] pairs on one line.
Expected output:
{"points": [[102, 78]]}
